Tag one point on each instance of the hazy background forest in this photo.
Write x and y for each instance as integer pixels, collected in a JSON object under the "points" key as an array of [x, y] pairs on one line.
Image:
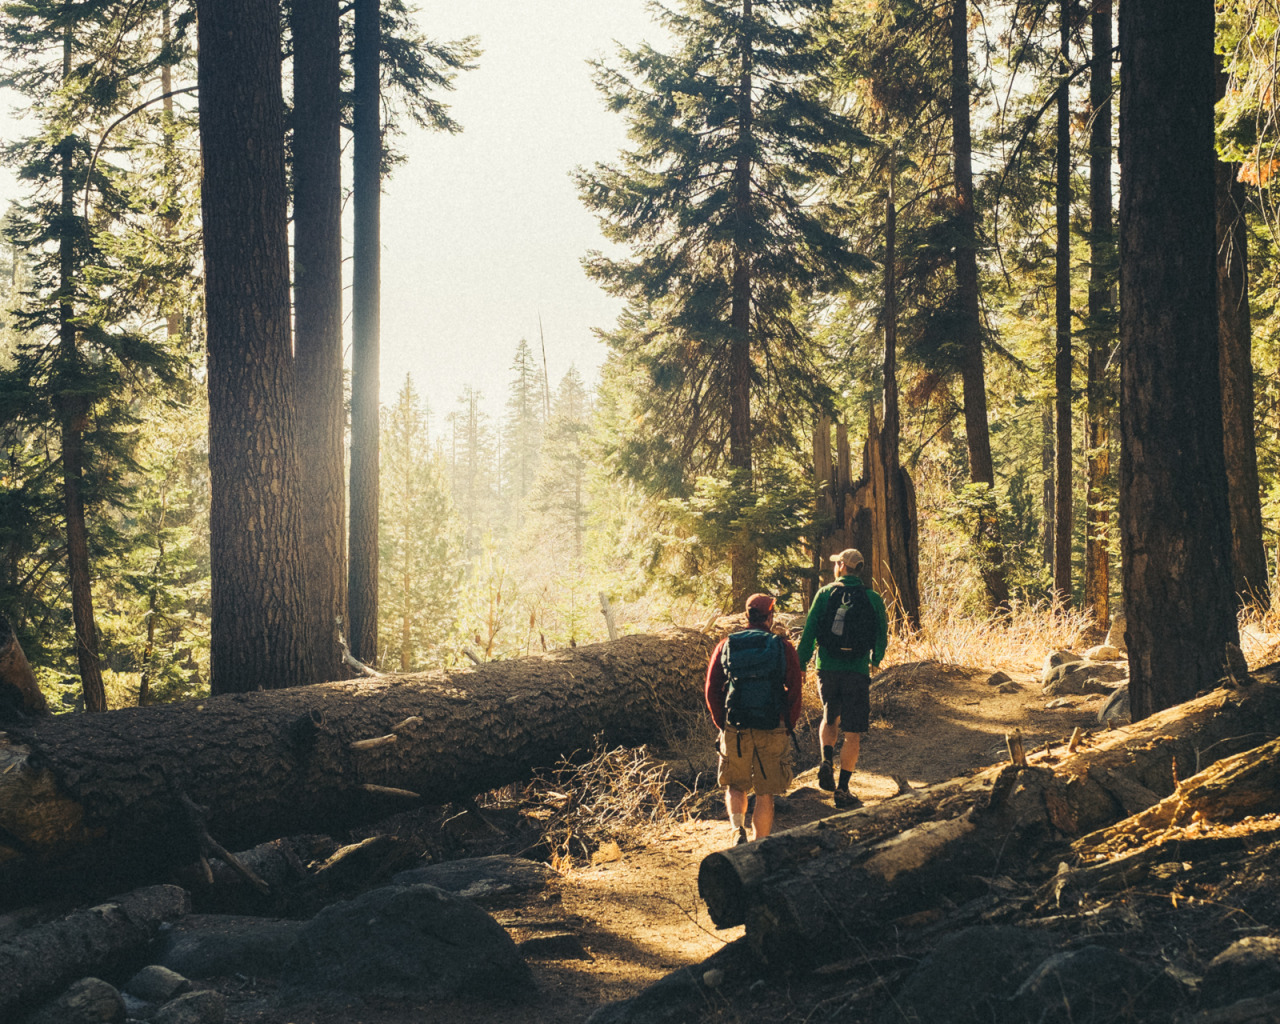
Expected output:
{"points": [[683, 475]]}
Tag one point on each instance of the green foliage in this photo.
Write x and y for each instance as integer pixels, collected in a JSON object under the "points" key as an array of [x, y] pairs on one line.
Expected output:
{"points": [[421, 564]]}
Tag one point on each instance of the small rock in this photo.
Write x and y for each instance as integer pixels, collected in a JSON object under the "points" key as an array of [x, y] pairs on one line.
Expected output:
{"points": [[1009, 687], [156, 984], [481, 878], [713, 978], [205, 945], [1061, 702], [999, 678], [203, 1007], [1103, 652], [87, 1001]]}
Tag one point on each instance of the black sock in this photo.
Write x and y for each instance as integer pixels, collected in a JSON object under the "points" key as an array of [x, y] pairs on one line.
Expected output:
{"points": [[828, 753], [844, 778]]}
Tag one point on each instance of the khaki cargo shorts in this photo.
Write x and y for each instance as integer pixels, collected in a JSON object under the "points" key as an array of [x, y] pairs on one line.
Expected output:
{"points": [[755, 760]]}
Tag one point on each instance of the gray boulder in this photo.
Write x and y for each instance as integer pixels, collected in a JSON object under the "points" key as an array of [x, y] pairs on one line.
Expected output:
{"points": [[406, 942], [1054, 660], [209, 945], [156, 984], [479, 878], [1085, 677], [1093, 984], [1248, 968], [1116, 710], [87, 1001]]}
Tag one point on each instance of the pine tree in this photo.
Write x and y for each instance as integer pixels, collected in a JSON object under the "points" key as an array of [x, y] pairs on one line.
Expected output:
{"points": [[715, 201], [522, 432], [471, 467], [559, 496], [83, 351], [421, 558]]}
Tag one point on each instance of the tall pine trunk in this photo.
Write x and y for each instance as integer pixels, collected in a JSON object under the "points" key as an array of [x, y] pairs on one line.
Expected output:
{"points": [[1097, 550], [259, 635], [73, 413], [362, 588], [1174, 516], [744, 559], [901, 531], [973, 372], [1235, 362], [317, 291], [1064, 478]]}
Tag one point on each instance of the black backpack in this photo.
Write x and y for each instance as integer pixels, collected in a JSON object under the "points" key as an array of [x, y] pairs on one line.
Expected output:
{"points": [[756, 667], [848, 624]]}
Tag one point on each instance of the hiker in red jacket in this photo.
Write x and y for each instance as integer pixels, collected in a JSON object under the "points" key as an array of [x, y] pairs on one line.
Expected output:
{"points": [[753, 692]]}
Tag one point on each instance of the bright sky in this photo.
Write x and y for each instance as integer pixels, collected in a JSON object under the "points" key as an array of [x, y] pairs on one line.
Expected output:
{"points": [[482, 232]]}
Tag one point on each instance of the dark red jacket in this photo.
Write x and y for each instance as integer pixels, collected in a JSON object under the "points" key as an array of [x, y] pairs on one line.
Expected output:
{"points": [[792, 686]]}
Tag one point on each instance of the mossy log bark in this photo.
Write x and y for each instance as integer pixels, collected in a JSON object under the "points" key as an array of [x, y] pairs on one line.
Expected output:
{"points": [[804, 892], [105, 797], [99, 941]]}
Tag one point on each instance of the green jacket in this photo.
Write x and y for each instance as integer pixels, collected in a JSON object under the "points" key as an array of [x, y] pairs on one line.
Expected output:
{"points": [[831, 660]]}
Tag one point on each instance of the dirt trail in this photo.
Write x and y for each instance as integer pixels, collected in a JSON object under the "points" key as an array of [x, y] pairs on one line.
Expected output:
{"points": [[638, 917]]}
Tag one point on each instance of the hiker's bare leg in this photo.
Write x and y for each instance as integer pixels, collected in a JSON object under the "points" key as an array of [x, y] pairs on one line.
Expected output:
{"points": [[849, 750], [829, 732], [736, 801], [762, 816]]}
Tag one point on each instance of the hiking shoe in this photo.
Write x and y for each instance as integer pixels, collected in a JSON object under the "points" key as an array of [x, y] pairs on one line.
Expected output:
{"points": [[846, 800], [742, 837], [826, 776]]}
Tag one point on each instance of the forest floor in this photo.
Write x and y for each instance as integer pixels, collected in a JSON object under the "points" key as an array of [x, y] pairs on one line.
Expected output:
{"points": [[636, 912]]}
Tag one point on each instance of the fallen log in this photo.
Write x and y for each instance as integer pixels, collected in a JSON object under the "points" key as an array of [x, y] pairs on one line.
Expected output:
{"points": [[106, 797], [100, 940], [803, 893]]}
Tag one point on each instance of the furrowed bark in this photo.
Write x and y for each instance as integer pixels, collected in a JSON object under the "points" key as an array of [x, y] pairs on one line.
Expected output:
{"points": [[107, 791]]}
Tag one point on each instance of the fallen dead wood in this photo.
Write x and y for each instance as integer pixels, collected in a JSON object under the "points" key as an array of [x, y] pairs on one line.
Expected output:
{"points": [[100, 940], [803, 893], [103, 796]]}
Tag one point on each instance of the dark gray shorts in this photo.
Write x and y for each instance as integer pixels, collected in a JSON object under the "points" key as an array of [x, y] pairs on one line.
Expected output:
{"points": [[846, 698]]}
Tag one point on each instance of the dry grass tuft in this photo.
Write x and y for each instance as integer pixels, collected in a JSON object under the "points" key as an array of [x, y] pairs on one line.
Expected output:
{"points": [[1260, 634], [1019, 639]]}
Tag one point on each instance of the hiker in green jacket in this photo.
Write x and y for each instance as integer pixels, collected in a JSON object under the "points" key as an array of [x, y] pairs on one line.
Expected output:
{"points": [[848, 625]]}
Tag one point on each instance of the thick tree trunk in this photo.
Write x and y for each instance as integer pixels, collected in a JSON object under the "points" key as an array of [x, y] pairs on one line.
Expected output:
{"points": [[108, 790], [907, 855], [97, 941], [73, 413], [317, 291], [1064, 476], [16, 676], [362, 587], [902, 540], [1175, 520], [1097, 550], [259, 627], [973, 373], [1235, 362]]}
